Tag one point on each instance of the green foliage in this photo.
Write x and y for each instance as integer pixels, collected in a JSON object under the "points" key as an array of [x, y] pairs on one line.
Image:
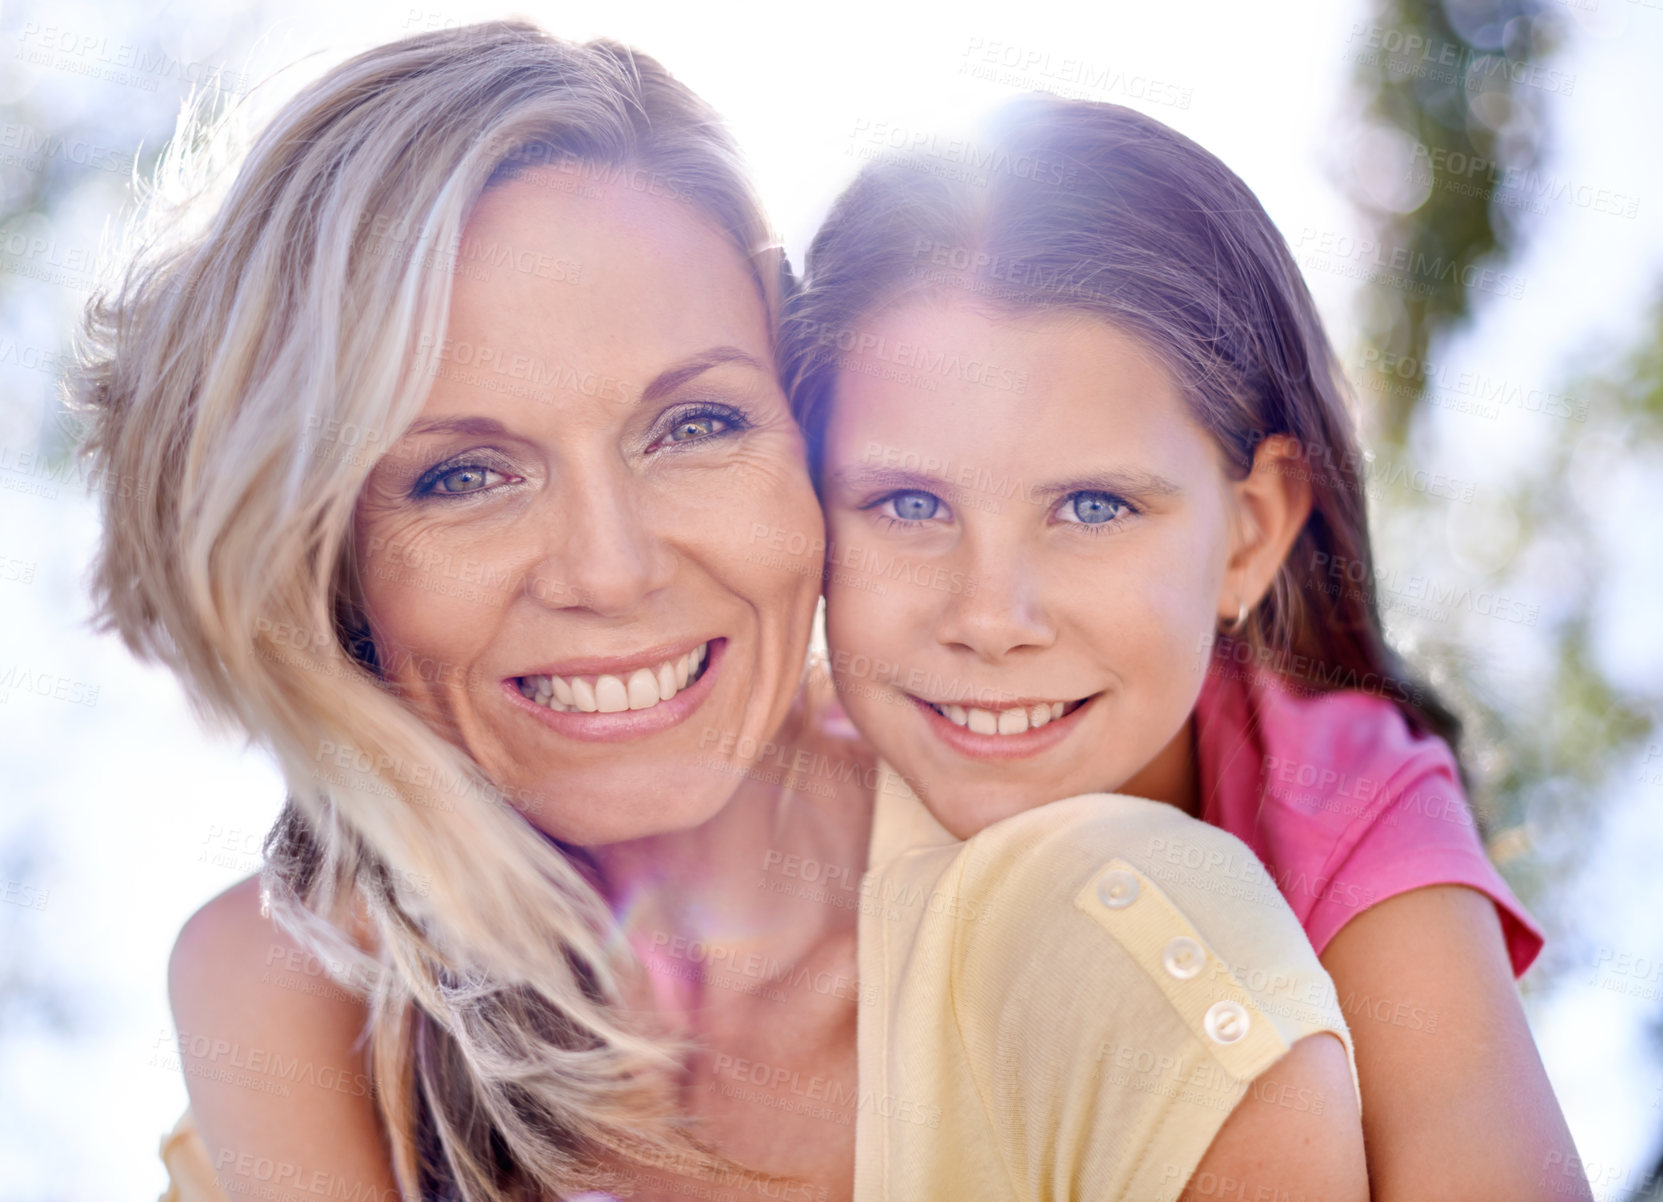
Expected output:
{"points": [[1553, 731], [1469, 95]]}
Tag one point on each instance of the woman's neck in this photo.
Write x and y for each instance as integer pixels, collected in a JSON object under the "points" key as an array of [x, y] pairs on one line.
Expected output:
{"points": [[691, 900]]}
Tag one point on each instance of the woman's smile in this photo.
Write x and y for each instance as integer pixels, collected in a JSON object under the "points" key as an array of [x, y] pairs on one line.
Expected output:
{"points": [[625, 698]]}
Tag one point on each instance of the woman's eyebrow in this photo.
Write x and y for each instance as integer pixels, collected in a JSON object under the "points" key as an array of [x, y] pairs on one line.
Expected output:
{"points": [[486, 426], [672, 378], [663, 384]]}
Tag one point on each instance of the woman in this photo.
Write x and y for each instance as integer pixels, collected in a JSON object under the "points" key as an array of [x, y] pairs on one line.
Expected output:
{"points": [[468, 458]]}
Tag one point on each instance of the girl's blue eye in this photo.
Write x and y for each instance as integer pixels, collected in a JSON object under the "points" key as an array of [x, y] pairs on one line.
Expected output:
{"points": [[915, 506], [1092, 508]]}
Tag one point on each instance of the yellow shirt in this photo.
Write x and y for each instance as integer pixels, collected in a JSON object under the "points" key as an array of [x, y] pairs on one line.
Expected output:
{"points": [[1069, 1003]]}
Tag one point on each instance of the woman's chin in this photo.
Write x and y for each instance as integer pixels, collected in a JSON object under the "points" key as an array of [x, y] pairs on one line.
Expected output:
{"points": [[598, 817]]}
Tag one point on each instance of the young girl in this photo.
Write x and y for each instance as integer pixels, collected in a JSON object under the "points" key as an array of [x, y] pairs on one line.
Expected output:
{"points": [[1095, 525]]}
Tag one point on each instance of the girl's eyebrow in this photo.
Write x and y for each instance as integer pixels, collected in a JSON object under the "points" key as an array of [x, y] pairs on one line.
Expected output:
{"points": [[975, 478], [857, 478], [1134, 481]]}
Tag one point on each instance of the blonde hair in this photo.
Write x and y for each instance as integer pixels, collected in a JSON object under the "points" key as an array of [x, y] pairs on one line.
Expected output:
{"points": [[315, 300]]}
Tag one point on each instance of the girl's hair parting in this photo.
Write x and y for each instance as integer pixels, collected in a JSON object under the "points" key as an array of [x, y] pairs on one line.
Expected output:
{"points": [[1095, 209]]}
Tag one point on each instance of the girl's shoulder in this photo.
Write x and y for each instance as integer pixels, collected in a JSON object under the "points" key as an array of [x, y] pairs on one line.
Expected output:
{"points": [[1306, 739], [1323, 763], [1345, 803]]}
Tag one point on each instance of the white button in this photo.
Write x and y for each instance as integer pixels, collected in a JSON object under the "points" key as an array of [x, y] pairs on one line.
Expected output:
{"points": [[1226, 1022], [1183, 957], [1117, 889]]}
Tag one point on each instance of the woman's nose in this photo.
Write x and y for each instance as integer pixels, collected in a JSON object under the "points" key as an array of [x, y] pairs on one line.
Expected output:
{"points": [[603, 553]]}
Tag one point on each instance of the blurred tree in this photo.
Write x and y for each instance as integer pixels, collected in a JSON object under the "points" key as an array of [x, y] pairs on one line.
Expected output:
{"points": [[76, 131], [1451, 83], [1458, 89], [1449, 173]]}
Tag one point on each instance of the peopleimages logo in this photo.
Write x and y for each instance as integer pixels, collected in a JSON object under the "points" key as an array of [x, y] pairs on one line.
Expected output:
{"points": [[1437, 163], [98, 56], [32, 148], [964, 158]]}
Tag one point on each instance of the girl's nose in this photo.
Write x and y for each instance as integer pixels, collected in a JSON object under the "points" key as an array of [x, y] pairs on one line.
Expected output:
{"points": [[1000, 611]]}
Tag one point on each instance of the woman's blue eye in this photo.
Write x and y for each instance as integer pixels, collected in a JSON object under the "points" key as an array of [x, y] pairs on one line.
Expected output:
{"points": [[458, 480], [1093, 508], [915, 506], [701, 425], [464, 479]]}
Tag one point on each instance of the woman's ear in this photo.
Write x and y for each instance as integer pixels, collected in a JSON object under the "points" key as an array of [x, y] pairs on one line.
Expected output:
{"points": [[1272, 505]]}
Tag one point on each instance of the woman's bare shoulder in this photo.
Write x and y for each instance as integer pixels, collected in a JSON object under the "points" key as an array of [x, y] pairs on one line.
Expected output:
{"points": [[271, 1049], [230, 951]]}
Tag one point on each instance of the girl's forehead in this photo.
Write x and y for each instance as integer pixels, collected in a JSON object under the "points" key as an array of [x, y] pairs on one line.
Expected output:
{"points": [[1053, 343]]}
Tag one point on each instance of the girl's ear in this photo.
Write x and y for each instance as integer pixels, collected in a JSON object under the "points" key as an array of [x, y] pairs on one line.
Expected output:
{"points": [[1272, 505]]}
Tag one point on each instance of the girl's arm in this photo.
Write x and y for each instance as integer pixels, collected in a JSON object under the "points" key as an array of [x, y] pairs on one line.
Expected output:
{"points": [[1295, 1134], [280, 1095], [1456, 1103]]}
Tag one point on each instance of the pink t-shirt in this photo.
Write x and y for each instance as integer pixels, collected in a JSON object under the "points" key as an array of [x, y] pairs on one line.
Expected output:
{"points": [[1345, 806]]}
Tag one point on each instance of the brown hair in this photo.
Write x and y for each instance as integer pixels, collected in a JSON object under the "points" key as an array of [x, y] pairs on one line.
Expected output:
{"points": [[1097, 209]]}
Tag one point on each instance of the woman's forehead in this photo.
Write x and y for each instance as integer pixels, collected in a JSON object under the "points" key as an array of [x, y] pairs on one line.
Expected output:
{"points": [[559, 269]]}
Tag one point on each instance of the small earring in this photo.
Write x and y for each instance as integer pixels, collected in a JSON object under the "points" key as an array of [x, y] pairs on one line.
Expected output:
{"points": [[1240, 624]]}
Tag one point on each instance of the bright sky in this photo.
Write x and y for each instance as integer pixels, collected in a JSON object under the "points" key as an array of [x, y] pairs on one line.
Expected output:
{"points": [[140, 818]]}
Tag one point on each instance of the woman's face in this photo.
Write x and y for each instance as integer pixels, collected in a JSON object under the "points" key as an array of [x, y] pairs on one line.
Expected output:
{"points": [[559, 557], [1029, 545]]}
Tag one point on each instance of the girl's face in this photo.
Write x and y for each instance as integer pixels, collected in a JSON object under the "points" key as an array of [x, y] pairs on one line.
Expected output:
{"points": [[1030, 548], [558, 556]]}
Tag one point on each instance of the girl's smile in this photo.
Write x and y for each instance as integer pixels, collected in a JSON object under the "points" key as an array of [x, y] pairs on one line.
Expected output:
{"points": [[1011, 733]]}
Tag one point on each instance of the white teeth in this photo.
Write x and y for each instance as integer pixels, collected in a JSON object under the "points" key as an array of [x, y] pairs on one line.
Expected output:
{"points": [[645, 688], [1003, 722], [610, 695], [642, 689]]}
